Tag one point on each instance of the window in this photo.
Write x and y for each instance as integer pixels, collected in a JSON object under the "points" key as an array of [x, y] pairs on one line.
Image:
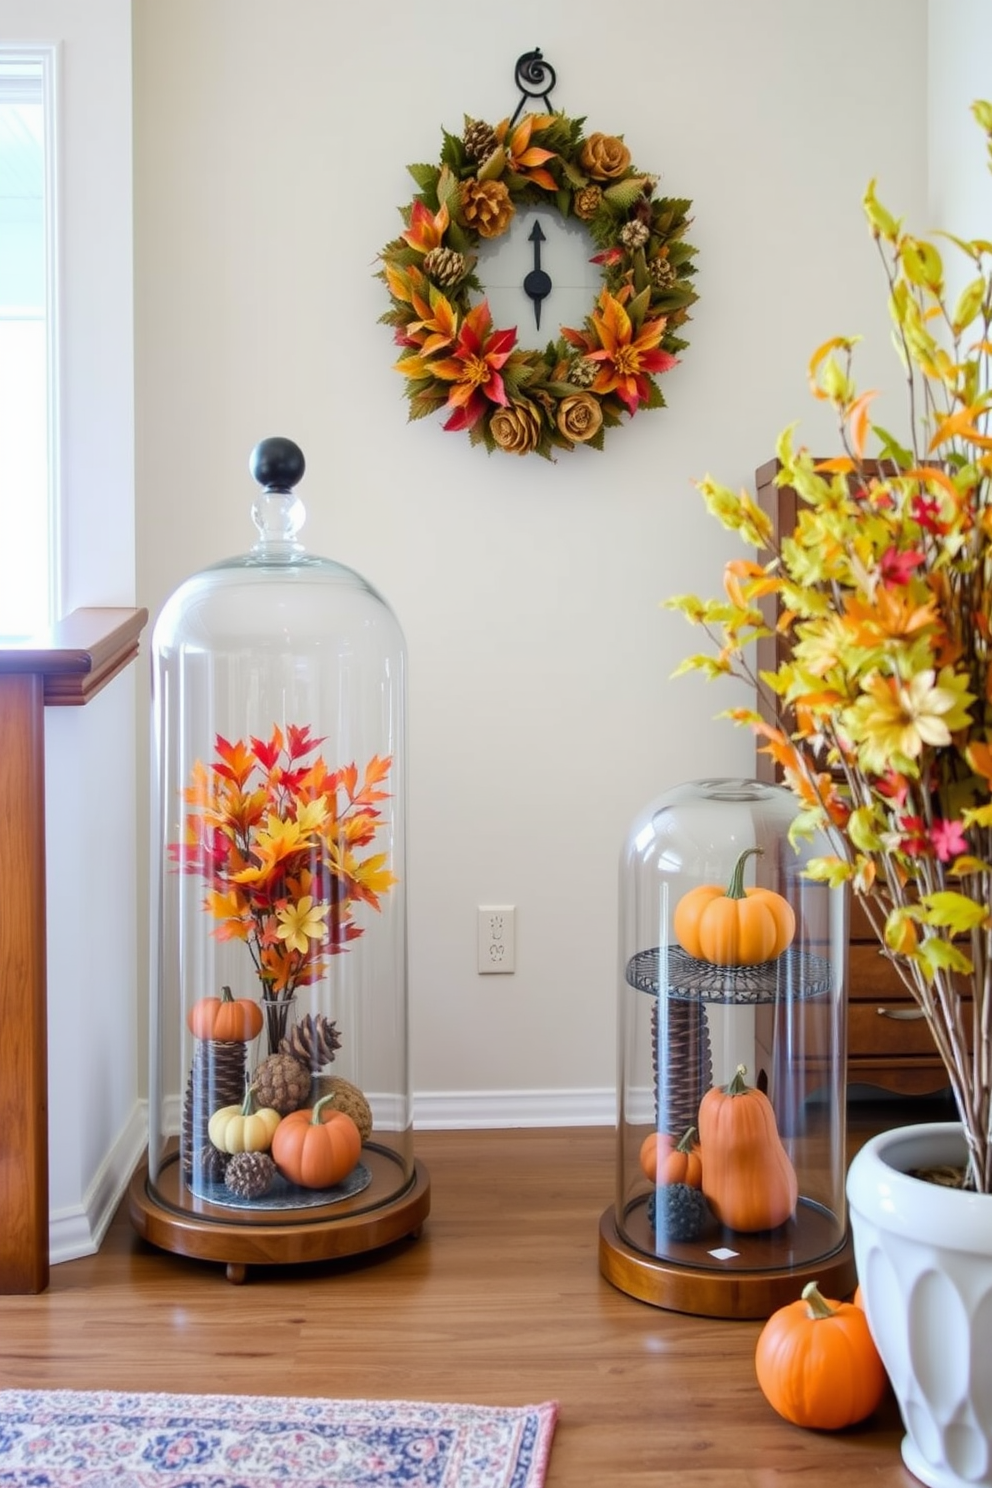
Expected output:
{"points": [[29, 526]]}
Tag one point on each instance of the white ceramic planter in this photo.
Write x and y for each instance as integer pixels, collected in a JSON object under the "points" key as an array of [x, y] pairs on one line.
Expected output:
{"points": [[924, 1260]]}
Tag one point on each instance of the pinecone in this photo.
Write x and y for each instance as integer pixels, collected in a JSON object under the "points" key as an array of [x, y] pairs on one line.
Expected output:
{"points": [[347, 1098], [479, 139], [687, 1072], [487, 206], [583, 372], [587, 201], [282, 1082], [312, 1041], [445, 266], [677, 1212], [634, 235], [216, 1078], [210, 1164], [250, 1174], [663, 274]]}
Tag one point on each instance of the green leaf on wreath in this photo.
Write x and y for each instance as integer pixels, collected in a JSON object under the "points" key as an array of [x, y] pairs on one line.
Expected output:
{"points": [[452, 151], [575, 177], [623, 194], [680, 253], [493, 167], [423, 406], [448, 190], [424, 175], [639, 306]]}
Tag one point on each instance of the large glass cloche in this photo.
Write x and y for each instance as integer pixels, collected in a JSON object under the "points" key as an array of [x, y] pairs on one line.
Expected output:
{"points": [[280, 1123]]}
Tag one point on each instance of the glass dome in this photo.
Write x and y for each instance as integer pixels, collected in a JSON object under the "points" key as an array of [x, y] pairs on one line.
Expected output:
{"points": [[732, 1058], [279, 956]]}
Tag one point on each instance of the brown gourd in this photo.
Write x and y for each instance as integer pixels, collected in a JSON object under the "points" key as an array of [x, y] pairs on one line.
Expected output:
{"points": [[748, 1178], [734, 926]]}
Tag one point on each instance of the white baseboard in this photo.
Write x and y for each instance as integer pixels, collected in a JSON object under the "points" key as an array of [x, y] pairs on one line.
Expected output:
{"points": [[449, 1110], [77, 1230]]}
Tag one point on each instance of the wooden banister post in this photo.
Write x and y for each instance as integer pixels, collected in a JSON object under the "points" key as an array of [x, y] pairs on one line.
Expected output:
{"points": [[65, 667]]}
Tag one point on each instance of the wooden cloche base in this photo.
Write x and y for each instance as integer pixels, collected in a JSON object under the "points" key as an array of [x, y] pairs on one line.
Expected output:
{"points": [[710, 1292], [239, 1239]]}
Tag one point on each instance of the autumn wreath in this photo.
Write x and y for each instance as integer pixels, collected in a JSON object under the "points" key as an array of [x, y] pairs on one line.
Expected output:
{"points": [[581, 383]]}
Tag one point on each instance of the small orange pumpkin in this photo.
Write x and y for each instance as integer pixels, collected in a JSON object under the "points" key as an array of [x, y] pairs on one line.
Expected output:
{"points": [[665, 1161], [225, 1019], [734, 926], [817, 1363], [316, 1148], [748, 1178]]}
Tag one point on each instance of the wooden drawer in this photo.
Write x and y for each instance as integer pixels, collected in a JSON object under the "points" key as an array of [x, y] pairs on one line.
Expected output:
{"points": [[871, 977], [888, 1029]]}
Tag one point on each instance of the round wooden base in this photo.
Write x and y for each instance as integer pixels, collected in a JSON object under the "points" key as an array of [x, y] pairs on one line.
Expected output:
{"points": [[240, 1239], [707, 1291]]}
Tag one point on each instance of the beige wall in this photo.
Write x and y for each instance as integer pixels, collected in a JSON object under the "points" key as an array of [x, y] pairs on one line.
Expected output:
{"points": [[270, 149]]}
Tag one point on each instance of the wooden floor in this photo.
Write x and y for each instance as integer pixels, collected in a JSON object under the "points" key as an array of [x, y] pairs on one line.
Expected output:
{"points": [[500, 1301]]}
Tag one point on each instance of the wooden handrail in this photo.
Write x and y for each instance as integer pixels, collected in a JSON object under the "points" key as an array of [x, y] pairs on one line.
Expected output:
{"points": [[65, 666]]}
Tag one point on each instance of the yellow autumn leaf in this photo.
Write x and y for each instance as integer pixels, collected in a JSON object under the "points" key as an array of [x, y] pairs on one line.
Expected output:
{"points": [[832, 871], [881, 221], [900, 933], [955, 912]]}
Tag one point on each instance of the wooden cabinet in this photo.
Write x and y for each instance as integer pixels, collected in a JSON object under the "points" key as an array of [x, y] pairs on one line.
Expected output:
{"points": [[888, 1044]]}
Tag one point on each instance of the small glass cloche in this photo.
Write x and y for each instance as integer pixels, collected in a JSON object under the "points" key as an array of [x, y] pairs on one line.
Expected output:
{"points": [[732, 1059]]}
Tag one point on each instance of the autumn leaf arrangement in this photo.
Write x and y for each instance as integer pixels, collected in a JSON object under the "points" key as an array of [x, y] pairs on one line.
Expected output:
{"points": [[285, 848], [454, 358], [881, 715]]}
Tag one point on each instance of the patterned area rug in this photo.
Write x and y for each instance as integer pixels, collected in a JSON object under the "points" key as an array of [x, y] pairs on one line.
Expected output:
{"points": [[65, 1438]]}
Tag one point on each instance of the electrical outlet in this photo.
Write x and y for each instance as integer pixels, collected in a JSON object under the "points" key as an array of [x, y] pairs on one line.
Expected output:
{"points": [[497, 938]]}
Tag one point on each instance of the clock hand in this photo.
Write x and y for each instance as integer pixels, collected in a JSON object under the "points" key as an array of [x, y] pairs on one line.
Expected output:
{"points": [[537, 284]]}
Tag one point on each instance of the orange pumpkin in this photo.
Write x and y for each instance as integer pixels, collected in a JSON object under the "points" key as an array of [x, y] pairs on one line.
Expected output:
{"points": [[665, 1161], [316, 1148], [748, 1178], [817, 1363], [734, 926], [225, 1019]]}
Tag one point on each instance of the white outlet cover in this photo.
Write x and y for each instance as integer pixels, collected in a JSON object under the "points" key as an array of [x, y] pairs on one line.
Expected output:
{"points": [[497, 939]]}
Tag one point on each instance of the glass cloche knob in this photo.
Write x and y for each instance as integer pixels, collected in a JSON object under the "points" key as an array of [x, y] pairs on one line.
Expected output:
{"points": [[277, 465]]}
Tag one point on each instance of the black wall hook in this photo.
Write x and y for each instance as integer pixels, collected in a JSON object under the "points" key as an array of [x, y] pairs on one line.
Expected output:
{"points": [[535, 78]]}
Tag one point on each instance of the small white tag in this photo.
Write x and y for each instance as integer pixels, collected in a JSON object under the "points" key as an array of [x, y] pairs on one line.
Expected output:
{"points": [[723, 1254]]}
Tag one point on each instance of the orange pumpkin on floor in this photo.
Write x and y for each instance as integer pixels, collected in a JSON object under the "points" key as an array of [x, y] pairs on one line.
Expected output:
{"points": [[817, 1363], [734, 926], [748, 1177], [316, 1148]]}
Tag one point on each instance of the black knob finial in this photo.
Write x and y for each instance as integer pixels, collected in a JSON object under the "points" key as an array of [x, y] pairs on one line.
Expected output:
{"points": [[277, 464]]}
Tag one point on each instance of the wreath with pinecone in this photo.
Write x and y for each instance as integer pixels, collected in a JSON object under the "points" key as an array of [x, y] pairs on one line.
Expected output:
{"points": [[584, 380]]}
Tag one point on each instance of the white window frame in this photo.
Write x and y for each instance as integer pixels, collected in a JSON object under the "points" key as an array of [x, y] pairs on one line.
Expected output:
{"points": [[46, 56]]}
